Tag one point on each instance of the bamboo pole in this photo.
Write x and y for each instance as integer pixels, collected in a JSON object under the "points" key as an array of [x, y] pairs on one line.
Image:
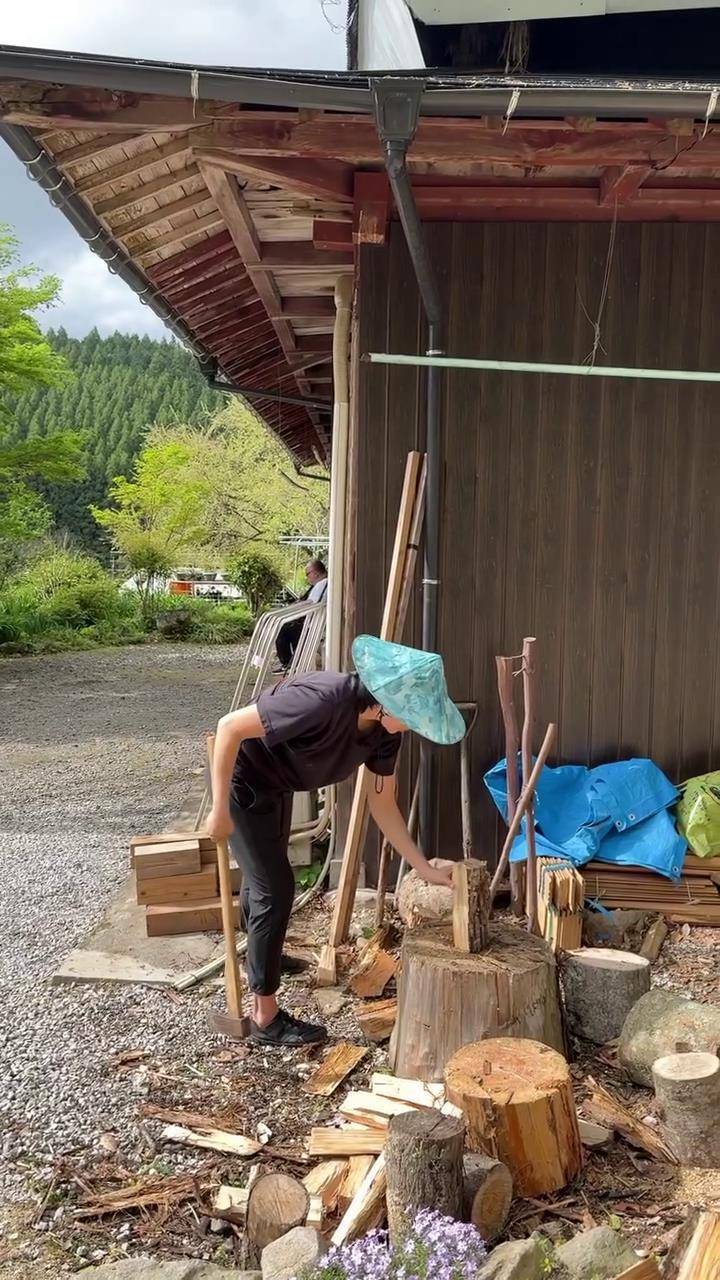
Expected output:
{"points": [[512, 746], [528, 678]]}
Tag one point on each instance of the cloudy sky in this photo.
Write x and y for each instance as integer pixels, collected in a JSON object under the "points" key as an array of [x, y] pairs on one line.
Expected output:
{"points": [[244, 33]]}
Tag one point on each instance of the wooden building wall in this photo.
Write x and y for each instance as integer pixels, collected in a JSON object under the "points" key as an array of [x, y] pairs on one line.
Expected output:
{"points": [[585, 512]]}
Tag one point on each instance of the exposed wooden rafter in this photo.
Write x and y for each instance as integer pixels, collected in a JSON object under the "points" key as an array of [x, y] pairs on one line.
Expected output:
{"points": [[175, 234], [131, 168], [171, 272], [329, 235], [132, 196], [300, 255], [162, 213], [320, 179], [97, 145]]}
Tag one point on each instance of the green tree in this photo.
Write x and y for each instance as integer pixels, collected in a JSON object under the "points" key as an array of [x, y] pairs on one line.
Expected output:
{"points": [[257, 576]]}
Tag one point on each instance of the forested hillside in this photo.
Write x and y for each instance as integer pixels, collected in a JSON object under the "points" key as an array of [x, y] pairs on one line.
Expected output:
{"points": [[120, 386]]}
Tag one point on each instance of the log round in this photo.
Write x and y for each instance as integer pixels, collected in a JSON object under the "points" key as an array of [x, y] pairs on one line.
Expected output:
{"points": [[600, 987], [424, 1167], [276, 1204], [687, 1086], [517, 1099], [487, 1194], [448, 998], [419, 903], [663, 1023]]}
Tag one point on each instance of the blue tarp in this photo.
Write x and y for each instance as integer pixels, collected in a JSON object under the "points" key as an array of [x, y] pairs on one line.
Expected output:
{"points": [[615, 812]]}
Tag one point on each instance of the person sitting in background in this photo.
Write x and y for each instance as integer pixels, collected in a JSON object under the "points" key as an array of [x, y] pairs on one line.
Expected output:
{"points": [[289, 634]]}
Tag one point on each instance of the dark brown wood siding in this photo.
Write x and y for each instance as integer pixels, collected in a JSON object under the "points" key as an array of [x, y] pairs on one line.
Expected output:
{"points": [[585, 512]]}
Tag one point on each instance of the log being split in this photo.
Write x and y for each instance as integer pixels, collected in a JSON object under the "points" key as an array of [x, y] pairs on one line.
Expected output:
{"points": [[518, 1103], [600, 988], [487, 1194], [447, 997], [424, 1167], [687, 1085], [471, 905]]}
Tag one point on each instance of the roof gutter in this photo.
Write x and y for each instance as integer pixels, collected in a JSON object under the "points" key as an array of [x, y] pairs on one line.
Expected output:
{"points": [[444, 93], [61, 193]]}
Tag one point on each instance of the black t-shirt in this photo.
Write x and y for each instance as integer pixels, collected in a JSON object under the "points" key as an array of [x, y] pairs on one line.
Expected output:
{"points": [[312, 737]]}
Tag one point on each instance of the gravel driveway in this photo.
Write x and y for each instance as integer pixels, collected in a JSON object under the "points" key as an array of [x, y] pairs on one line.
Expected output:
{"points": [[94, 747]]}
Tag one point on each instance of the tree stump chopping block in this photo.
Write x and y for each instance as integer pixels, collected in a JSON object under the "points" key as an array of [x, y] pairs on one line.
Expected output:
{"points": [[601, 987], [687, 1085], [448, 998], [487, 1194], [517, 1099], [424, 1166]]}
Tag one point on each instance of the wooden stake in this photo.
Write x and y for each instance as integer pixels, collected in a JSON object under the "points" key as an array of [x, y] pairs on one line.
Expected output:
{"points": [[512, 746], [528, 676], [233, 985], [471, 905], [525, 799]]}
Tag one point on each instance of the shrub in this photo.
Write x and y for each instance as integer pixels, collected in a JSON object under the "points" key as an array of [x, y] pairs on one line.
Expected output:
{"points": [[52, 571], [256, 574], [88, 603]]}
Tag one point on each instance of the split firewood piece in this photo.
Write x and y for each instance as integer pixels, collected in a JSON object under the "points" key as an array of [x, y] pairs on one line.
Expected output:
{"points": [[335, 1066], [371, 1109], [601, 986], [277, 1203], [424, 1163], [315, 1213], [610, 1111], [593, 1135], [372, 979], [327, 966], [487, 1193], [517, 1098], [346, 1142], [653, 941], [687, 1086], [377, 1020], [419, 1093], [327, 1179], [358, 1167], [367, 1208], [695, 1255], [646, 1269], [234, 1144], [230, 1204], [471, 905]]}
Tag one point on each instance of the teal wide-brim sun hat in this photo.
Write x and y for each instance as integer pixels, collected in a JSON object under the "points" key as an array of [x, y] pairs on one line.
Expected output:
{"points": [[409, 684]]}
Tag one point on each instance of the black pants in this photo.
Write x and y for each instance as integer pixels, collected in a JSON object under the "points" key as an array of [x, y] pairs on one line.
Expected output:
{"points": [[260, 844], [287, 640]]}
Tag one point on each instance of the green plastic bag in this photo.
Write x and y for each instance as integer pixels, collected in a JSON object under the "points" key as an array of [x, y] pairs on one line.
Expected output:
{"points": [[698, 814]]}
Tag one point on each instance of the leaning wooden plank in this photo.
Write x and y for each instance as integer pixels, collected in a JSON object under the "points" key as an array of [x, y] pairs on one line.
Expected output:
{"points": [[610, 1111], [377, 1020], [346, 1142], [234, 1144], [178, 890], [367, 1208], [358, 1168], [363, 1107], [327, 1179], [167, 860], [333, 1069], [197, 917]]}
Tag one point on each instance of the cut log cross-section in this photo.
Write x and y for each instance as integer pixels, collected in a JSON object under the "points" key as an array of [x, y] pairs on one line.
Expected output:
{"points": [[424, 1167], [517, 1099], [276, 1204], [687, 1086], [487, 1193], [601, 987], [448, 998]]}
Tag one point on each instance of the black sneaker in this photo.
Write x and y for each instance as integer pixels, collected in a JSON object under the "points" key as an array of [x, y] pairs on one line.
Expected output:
{"points": [[287, 1032]]}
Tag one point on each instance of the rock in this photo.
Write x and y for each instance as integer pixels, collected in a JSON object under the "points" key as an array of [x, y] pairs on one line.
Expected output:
{"points": [[148, 1269], [301, 1248], [599, 1254], [330, 1000], [421, 903], [663, 1023], [516, 1260], [622, 929]]}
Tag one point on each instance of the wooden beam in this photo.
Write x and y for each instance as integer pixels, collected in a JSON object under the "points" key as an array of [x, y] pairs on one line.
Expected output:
{"points": [[97, 145], [354, 140], [127, 199], [130, 168], [619, 184], [300, 255], [309, 308], [532, 202], [328, 235], [372, 207], [207, 223], [319, 179], [72, 107], [162, 213]]}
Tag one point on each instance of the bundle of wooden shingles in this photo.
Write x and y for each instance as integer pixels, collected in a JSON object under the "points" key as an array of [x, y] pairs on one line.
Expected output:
{"points": [[176, 876], [693, 899]]}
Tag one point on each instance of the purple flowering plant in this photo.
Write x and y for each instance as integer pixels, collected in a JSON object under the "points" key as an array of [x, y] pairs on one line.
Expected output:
{"points": [[435, 1248]]}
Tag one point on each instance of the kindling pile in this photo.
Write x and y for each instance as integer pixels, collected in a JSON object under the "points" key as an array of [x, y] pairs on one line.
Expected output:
{"points": [[177, 882]]}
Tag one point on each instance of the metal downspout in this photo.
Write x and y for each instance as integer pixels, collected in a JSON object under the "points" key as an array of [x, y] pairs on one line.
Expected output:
{"points": [[397, 110]]}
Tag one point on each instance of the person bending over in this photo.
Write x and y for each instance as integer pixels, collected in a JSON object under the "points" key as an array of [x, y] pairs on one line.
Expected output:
{"points": [[308, 732]]}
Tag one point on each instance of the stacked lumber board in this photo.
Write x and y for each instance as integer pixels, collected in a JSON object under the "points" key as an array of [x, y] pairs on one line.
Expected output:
{"points": [[176, 877], [693, 899], [560, 903]]}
